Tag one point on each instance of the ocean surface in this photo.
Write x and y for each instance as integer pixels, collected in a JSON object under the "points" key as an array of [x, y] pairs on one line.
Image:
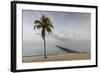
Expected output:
{"points": [[33, 48]]}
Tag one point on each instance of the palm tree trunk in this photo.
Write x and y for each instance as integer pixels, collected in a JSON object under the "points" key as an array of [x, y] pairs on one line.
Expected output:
{"points": [[45, 56], [43, 36]]}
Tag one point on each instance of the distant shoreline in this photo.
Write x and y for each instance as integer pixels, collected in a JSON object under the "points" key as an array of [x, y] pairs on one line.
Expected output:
{"points": [[59, 57]]}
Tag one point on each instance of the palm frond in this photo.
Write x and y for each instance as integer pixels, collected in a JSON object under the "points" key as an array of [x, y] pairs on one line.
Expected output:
{"points": [[51, 25], [37, 26], [37, 22], [48, 29], [42, 18]]}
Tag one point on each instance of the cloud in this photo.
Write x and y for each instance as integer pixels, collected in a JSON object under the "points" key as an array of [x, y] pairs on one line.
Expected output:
{"points": [[63, 36]]}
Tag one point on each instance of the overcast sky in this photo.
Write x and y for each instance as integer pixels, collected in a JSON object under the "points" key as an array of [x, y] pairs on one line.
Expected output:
{"points": [[71, 30]]}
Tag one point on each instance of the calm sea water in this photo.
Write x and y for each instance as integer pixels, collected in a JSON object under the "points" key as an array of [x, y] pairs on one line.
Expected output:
{"points": [[33, 48]]}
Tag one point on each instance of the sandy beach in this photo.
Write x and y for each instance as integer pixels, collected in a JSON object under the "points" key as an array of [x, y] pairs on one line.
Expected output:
{"points": [[61, 57]]}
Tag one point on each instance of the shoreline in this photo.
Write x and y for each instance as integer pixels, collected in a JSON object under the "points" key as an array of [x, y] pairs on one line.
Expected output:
{"points": [[59, 57]]}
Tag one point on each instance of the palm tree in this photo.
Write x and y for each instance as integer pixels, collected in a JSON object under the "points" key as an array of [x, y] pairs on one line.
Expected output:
{"points": [[45, 25]]}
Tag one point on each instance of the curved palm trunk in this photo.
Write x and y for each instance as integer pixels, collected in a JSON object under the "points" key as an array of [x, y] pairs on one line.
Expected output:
{"points": [[45, 55]]}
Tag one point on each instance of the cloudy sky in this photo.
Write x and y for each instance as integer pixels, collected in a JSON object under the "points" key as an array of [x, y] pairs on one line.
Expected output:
{"points": [[71, 30]]}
